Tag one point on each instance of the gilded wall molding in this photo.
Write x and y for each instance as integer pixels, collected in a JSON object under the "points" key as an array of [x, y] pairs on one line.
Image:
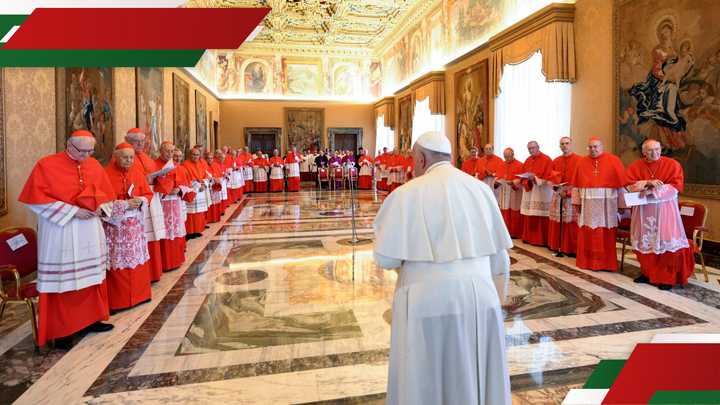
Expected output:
{"points": [[555, 12]]}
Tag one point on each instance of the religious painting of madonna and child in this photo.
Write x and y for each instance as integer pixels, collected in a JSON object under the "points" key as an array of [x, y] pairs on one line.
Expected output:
{"points": [[668, 79], [150, 96], [471, 104], [85, 98]]}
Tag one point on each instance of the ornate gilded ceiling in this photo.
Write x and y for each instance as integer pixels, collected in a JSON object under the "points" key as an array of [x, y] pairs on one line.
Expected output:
{"points": [[323, 25]]}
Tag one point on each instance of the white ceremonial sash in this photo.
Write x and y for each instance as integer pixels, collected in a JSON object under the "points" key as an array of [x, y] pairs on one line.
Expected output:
{"points": [[70, 257], [536, 202], [276, 173], [154, 220], [293, 170]]}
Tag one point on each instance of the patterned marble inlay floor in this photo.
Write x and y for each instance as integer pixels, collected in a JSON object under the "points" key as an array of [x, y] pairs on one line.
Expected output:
{"points": [[276, 309]]}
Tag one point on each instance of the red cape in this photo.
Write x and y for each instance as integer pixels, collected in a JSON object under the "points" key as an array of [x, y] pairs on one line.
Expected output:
{"points": [[605, 171], [667, 170], [57, 178], [122, 179]]}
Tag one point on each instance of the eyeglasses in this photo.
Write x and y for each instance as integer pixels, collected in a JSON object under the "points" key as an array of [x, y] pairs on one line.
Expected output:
{"points": [[86, 151]]}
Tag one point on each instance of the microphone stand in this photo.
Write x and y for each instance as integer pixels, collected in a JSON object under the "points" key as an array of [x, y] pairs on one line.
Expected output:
{"points": [[559, 252]]}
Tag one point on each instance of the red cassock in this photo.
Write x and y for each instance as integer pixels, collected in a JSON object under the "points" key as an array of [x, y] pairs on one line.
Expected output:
{"points": [[217, 208], [510, 197], [195, 222], [173, 247], [535, 227], [229, 166], [245, 159], [669, 267], [146, 165], [382, 161], [276, 183], [219, 167], [365, 173], [260, 186], [127, 286], [597, 218], [563, 167], [469, 166], [58, 178], [293, 167]]}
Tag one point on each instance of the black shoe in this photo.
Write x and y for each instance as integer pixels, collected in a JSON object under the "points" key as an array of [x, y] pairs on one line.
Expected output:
{"points": [[642, 280], [99, 327], [64, 343], [665, 287]]}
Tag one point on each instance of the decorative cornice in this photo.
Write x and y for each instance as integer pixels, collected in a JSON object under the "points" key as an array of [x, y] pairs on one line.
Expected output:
{"points": [[384, 101], [555, 12], [303, 50], [435, 76]]}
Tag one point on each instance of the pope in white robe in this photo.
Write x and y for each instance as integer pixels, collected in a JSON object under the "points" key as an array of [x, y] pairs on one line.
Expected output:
{"points": [[445, 233]]}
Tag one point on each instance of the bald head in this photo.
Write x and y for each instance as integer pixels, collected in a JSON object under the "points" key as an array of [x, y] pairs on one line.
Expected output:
{"points": [[595, 147], [509, 154], [424, 158], [489, 149], [652, 150]]}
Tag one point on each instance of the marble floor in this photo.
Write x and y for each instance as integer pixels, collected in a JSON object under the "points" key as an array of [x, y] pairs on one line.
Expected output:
{"points": [[274, 306]]}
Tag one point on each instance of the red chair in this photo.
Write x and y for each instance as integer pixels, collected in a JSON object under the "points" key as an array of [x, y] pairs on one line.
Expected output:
{"points": [[14, 266], [694, 217], [323, 176], [623, 236]]}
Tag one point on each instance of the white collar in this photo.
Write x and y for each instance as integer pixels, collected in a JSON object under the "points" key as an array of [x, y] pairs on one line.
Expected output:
{"points": [[435, 165]]}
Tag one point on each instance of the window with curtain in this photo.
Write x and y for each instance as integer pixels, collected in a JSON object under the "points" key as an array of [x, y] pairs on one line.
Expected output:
{"points": [[384, 136], [424, 121], [531, 109]]}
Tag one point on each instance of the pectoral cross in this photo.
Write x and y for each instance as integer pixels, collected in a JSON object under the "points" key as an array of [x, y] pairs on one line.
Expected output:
{"points": [[596, 167]]}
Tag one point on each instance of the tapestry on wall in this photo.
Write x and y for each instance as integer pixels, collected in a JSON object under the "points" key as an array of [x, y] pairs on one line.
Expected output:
{"points": [[304, 127], [471, 104], [85, 101], [201, 123], [181, 114], [405, 108], [150, 96], [667, 81], [3, 170]]}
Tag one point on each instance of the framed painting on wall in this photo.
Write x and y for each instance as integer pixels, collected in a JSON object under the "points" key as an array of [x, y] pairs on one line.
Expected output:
{"points": [[667, 79], [3, 169], [405, 116], [471, 108], [304, 127], [150, 95], [84, 100], [201, 121], [181, 114]]}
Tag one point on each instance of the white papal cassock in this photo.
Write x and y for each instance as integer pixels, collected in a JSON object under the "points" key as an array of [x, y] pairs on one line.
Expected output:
{"points": [[445, 233]]}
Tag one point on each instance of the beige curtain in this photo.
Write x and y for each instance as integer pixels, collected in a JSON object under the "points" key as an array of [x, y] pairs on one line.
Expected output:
{"points": [[435, 89], [556, 42], [386, 108]]}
